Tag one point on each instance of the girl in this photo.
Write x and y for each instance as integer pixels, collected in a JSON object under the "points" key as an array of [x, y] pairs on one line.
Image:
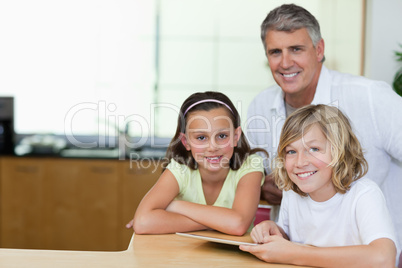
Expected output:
{"points": [[326, 202], [213, 179]]}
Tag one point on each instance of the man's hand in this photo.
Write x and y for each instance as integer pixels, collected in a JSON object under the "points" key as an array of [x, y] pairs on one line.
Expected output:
{"points": [[270, 192]]}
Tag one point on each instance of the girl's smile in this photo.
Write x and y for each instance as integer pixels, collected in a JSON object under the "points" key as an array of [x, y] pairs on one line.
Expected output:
{"points": [[214, 159]]}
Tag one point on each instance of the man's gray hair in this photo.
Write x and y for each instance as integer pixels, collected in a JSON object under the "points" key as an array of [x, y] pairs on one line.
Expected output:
{"points": [[288, 18]]}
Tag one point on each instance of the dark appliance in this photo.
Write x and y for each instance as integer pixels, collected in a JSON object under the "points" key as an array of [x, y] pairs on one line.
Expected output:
{"points": [[7, 126]]}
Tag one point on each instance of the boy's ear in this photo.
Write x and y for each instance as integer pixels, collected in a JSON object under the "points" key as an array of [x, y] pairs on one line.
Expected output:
{"points": [[237, 135], [183, 140]]}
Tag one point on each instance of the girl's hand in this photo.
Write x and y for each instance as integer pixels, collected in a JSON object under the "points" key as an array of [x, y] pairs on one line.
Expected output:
{"points": [[276, 249], [262, 232], [173, 206], [130, 224]]}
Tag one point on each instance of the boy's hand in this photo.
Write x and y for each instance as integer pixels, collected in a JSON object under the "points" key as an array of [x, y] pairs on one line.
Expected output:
{"points": [[277, 249], [261, 232]]}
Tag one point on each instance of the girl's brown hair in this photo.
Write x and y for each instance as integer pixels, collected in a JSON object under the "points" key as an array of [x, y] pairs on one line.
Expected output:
{"points": [[348, 161]]}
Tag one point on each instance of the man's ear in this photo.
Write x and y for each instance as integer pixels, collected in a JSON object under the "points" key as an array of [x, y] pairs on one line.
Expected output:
{"points": [[183, 140], [237, 135], [320, 47]]}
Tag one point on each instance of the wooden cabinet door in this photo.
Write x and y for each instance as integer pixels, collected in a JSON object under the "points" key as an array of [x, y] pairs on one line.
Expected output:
{"points": [[21, 202], [71, 204], [82, 204], [137, 179]]}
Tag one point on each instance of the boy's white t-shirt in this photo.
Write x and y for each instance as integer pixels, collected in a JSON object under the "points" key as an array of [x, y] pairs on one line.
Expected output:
{"points": [[357, 217]]}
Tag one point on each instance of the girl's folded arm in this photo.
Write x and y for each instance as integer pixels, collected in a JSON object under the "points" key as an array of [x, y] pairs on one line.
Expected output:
{"points": [[235, 221], [151, 216]]}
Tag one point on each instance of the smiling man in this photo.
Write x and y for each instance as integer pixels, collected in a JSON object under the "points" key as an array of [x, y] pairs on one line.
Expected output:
{"points": [[295, 52], [295, 63]]}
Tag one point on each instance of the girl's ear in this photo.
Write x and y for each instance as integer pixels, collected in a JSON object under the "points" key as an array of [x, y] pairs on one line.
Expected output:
{"points": [[237, 135], [183, 140]]}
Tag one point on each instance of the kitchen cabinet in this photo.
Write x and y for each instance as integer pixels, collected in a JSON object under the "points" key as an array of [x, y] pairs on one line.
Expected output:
{"points": [[21, 202], [137, 178], [81, 207], [77, 204]]}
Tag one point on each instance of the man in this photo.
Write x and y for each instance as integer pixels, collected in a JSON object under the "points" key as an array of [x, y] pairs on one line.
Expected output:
{"points": [[295, 51]]}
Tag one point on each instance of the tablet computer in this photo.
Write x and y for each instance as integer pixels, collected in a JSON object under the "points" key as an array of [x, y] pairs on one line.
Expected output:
{"points": [[214, 236]]}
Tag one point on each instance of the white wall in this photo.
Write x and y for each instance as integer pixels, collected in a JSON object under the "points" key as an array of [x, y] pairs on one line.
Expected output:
{"points": [[100, 53], [84, 67], [384, 34]]}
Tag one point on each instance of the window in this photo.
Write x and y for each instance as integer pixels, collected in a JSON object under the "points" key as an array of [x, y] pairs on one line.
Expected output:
{"points": [[89, 67]]}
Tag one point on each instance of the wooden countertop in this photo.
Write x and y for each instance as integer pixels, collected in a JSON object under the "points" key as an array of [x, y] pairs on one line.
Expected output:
{"points": [[169, 250]]}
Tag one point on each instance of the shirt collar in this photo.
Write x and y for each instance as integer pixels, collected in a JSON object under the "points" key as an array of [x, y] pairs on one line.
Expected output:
{"points": [[279, 103], [323, 91]]}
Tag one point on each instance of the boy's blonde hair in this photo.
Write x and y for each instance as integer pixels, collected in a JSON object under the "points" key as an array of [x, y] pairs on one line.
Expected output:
{"points": [[348, 161]]}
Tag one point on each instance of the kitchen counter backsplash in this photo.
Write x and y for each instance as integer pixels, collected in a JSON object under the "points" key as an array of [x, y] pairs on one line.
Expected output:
{"points": [[91, 146]]}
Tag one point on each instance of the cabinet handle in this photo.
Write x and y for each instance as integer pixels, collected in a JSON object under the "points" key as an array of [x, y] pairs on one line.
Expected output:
{"points": [[26, 169], [138, 171], [102, 170]]}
